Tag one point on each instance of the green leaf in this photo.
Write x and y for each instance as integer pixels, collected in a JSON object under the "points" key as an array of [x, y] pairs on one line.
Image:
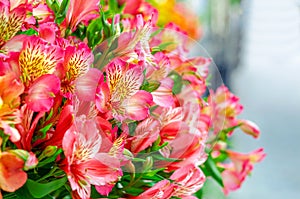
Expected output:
{"points": [[50, 159], [113, 6], [154, 173], [160, 157], [134, 191], [132, 126], [29, 32], [39, 190], [63, 7], [178, 82], [150, 86], [161, 47], [94, 32], [212, 170], [23, 192], [45, 129]]}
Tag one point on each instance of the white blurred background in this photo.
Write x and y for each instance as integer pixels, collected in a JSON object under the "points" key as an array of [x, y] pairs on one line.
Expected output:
{"points": [[260, 54]]}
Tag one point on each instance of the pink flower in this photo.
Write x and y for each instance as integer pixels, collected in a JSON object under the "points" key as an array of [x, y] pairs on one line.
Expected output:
{"points": [[11, 17], [224, 108], [241, 166], [80, 11], [188, 148], [42, 92], [145, 134], [76, 63], [189, 179], [42, 13], [171, 122], [123, 97], [86, 85], [38, 58], [161, 190], [249, 128], [163, 95], [138, 39], [84, 164], [159, 70]]}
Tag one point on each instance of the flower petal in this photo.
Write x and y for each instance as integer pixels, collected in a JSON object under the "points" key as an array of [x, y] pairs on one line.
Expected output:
{"points": [[86, 85], [137, 107], [41, 94]]}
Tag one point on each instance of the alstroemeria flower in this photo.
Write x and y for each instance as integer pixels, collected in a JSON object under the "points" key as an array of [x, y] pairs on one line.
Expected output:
{"points": [[171, 122], [163, 95], [161, 190], [124, 98], [42, 92], [223, 107], [38, 58], [10, 90], [194, 70], [145, 134], [12, 176], [249, 128], [84, 164], [191, 152], [128, 40], [173, 35], [241, 166], [11, 20], [80, 11], [189, 179], [76, 63], [42, 13]]}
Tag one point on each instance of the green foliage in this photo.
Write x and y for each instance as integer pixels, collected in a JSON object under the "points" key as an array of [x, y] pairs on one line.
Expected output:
{"points": [[29, 32], [150, 85], [210, 169], [50, 159], [40, 190], [178, 82], [59, 9], [161, 47]]}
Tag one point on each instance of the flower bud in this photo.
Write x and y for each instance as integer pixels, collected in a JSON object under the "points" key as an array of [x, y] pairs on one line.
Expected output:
{"points": [[148, 164], [31, 162], [48, 152], [249, 128], [127, 154], [129, 167]]}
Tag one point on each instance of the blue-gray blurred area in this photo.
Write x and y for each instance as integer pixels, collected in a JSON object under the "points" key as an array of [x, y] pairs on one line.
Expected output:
{"points": [[256, 45]]}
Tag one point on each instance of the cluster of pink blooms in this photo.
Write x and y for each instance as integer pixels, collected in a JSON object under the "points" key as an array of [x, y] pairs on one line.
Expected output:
{"points": [[113, 116]]}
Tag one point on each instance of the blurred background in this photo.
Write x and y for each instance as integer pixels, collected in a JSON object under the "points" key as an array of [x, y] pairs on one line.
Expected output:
{"points": [[256, 46]]}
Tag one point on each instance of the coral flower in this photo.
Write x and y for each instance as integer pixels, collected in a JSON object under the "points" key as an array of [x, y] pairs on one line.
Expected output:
{"points": [[10, 90], [189, 179], [12, 176], [241, 166], [81, 11], [84, 165]]}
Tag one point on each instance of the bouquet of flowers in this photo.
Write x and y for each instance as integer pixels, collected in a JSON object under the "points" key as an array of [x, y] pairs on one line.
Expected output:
{"points": [[98, 101]]}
